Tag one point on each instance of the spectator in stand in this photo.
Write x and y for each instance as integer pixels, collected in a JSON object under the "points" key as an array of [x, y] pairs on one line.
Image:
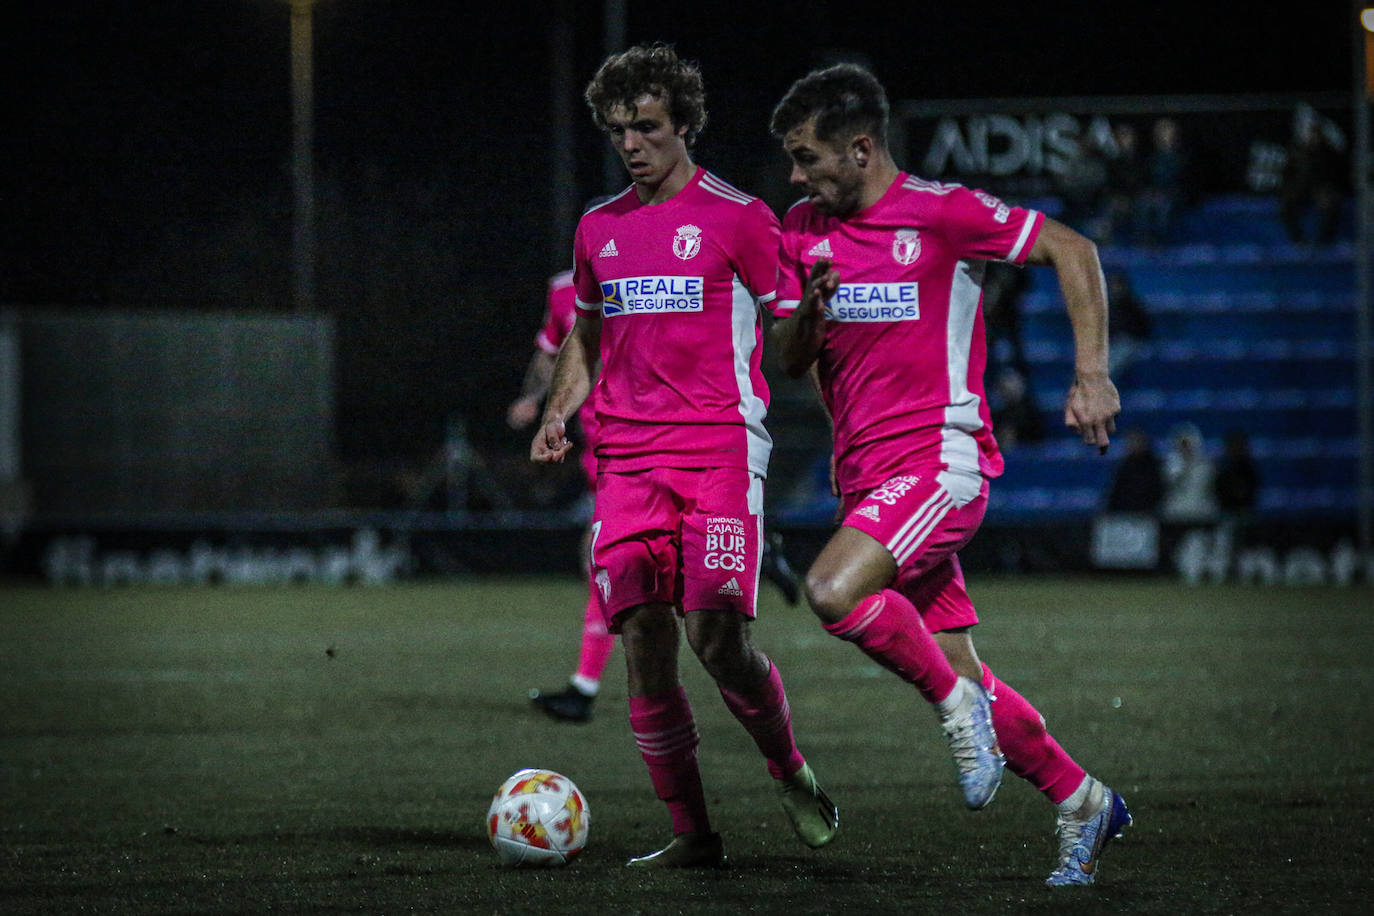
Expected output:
{"points": [[1003, 288], [1130, 326], [1015, 415], [1313, 179], [1138, 484], [1166, 180], [1125, 179], [1237, 481], [1083, 184], [1189, 479]]}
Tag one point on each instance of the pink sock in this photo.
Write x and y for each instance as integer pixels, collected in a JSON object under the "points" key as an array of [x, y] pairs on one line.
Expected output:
{"points": [[596, 642], [767, 718], [1031, 752], [889, 631], [667, 738]]}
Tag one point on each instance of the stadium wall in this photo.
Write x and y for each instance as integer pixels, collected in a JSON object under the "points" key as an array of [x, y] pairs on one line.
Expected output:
{"points": [[135, 414], [376, 548]]}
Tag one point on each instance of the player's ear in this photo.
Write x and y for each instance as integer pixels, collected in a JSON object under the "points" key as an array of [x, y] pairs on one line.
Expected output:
{"points": [[861, 149]]}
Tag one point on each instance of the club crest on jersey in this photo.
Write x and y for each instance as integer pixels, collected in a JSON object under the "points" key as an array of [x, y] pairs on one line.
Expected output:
{"points": [[687, 242], [906, 246]]}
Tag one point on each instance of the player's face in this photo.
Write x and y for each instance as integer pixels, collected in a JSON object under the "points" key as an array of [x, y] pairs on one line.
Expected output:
{"points": [[827, 172], [646, 140]]}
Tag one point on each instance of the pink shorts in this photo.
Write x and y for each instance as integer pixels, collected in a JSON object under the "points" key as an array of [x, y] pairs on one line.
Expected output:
{"points": [[690, 538], [587, 417], [923, 518], [589, 467]]}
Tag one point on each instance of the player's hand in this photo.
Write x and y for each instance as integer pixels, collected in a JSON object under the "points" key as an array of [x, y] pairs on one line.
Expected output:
{"points": [[522, 412], [820, 286], [550, 443], [1091, 410]]}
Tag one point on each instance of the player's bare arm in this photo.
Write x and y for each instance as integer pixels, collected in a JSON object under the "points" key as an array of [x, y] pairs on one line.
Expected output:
{"points": [[801, 335], [524, 410], [573, 375], [1093, 402]]}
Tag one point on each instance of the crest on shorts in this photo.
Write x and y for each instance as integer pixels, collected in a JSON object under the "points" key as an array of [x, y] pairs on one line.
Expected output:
{"points": [[687, 242], [906, 246]]}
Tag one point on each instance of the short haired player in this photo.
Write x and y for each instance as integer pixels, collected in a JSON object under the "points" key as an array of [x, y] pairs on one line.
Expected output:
{"points": [[881, 298]]}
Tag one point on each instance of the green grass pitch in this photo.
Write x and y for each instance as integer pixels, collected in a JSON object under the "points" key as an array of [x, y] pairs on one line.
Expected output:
{"points": [[334, 750]]}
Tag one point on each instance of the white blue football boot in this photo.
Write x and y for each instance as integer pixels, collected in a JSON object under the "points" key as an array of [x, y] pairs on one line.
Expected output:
{"points": [[1081, 842], [978, 760]]}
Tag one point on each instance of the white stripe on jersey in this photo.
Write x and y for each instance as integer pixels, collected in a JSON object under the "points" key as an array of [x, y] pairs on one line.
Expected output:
{"points": [[1025, 233], [743, 315], [957, 447], [610, 200], [934, 187], [710, 182], [919, 526], [754, 501]]}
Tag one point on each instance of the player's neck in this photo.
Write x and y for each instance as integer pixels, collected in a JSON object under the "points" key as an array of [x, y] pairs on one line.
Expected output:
{"points": [[878, 179], [676, 179]]}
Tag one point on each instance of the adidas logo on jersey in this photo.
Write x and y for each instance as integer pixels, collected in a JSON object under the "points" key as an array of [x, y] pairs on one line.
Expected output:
{"points": [[608, 250], [821, 250], [868, 512], [731, 588]]}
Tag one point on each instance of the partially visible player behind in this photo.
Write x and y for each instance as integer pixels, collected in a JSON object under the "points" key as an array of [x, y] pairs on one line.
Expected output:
{"points": [[670, 276], [573, 703], [881, 297]]}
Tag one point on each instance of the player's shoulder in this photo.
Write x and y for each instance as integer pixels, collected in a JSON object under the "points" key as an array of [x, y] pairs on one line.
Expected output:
{"points": [[720, 190], [801, 216], [914, 185], [722, 204], [561, 280], [914, 194], [609, 207]]}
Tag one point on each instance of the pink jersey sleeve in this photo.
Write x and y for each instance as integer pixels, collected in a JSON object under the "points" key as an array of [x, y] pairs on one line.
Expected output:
{"points": [[979, 225], [756, 252], [558, 315], [586, 288], [791, 271]]}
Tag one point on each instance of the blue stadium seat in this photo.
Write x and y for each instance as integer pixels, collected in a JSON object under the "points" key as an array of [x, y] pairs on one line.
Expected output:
{"points": [[1252, 333]]}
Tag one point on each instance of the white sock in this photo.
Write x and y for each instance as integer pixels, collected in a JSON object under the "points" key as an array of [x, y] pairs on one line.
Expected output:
{"points": [[1074, 802], [585, 685], [950, 704]]}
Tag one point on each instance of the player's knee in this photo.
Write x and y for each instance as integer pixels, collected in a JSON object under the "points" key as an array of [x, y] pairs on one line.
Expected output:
{"points": [[721, 644], [830, 600], [648, 630]]}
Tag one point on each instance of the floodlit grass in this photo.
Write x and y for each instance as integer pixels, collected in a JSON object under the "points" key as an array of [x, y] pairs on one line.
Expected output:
{"points": [[334, 749]]}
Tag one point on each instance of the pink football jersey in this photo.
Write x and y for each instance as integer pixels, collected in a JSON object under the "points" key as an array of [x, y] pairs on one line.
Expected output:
{"points": [[902, 366], [678, 286], [559, 315], [558, 322]]}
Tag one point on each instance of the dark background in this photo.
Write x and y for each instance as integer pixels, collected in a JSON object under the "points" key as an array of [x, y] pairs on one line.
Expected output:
{"points": [[147, 151]]}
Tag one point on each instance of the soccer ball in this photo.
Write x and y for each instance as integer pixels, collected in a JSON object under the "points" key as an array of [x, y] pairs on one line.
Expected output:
{"points": [[538, 818]]}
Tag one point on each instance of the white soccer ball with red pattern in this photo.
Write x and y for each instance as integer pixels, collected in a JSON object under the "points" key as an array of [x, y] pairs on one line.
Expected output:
{"points": [[538, 818]]}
